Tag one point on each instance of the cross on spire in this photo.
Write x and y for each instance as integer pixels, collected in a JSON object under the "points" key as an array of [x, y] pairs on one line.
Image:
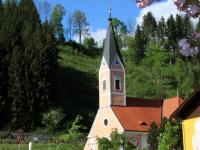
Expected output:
{"points": [[110, 14]]}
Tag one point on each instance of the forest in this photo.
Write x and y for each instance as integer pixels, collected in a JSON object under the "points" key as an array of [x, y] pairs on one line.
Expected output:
{"points": [[42, 71]]}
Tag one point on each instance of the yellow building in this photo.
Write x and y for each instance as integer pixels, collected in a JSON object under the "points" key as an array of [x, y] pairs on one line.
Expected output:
{"points": [[189, 112], [116, 111]]}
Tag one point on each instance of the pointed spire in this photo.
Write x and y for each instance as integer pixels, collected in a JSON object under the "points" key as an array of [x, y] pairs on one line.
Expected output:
{"points": [[111, 48]]}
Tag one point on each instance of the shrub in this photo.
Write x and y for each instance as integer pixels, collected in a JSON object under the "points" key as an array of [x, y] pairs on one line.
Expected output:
{"points": [[52, 119]]}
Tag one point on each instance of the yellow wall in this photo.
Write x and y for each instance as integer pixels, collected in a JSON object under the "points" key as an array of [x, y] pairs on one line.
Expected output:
{"points": [[99, 130], [191, 134]]}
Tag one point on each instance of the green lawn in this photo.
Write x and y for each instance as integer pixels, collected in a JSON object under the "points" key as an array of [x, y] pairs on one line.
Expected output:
{"points": [[40, 147]]}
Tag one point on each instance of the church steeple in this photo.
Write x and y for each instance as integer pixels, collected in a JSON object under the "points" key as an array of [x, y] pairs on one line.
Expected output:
{"points": [[112, 72], [111, 48]]}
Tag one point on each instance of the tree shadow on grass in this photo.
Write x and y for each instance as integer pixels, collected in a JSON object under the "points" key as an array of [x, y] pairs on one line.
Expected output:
{"points": [[77, 92]]}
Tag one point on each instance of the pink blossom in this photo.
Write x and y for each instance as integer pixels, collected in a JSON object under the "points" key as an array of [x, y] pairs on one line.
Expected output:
{"points": [[186, 49], [197, 35], [192, 10], [143, 3]]}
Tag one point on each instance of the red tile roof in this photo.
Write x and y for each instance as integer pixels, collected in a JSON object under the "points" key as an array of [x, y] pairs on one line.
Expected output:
{"points": [[138, 114], [187, 106], [170, 105]]}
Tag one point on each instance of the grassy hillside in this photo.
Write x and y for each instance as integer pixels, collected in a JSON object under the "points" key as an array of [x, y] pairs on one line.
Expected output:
{"points": [[78, 81]]}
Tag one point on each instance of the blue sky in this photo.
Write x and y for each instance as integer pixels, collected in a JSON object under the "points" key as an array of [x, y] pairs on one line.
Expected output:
{"points": [[97, 10], [125, 10]]}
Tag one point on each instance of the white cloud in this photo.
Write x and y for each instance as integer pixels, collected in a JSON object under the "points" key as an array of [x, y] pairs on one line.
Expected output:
{"points": [[161, 9], [99, 35]]}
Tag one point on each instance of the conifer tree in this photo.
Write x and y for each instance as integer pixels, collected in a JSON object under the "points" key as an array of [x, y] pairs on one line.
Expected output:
{"points": [[161, 30], [172, 38], [171, 29], [179, 27], [8, 33], [149, 25], [188, 27], [140, 43]]}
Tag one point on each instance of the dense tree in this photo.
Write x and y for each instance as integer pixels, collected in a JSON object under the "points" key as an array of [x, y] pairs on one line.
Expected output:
{"points": [[179, 27], [172, 129], [149, 25], [80, 24], [139, 45], [9, 31], [152, 137], [120, 29], [56, 21], [172, 38], [188, 27], [89, 42], [171, 30], [161, 30], [27, 66]]}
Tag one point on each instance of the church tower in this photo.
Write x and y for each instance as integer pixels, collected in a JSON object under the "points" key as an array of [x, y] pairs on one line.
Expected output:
{"points": [[111, 72]]}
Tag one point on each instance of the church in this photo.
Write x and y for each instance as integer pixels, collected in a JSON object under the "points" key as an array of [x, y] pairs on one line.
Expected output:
{"points": [[132, 116]]}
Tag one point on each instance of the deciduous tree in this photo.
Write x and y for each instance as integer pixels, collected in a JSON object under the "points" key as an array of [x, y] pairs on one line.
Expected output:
{"points": [[80, 24], [56, 21]]}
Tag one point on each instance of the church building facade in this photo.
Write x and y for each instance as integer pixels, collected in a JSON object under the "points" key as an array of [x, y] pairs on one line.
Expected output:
{"points": [[116, 111]]}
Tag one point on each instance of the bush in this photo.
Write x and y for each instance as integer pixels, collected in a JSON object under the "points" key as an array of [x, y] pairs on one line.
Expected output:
{"points": [[171, 138], [152, 137], [75, 133], [117, 141], [52, 119]]}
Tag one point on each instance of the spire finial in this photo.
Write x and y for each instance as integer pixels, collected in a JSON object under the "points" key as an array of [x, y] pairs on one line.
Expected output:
{"points": [[110, 14]]}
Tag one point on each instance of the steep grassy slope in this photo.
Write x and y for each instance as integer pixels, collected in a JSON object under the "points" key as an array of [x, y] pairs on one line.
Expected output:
{"points": [[77, 82]]}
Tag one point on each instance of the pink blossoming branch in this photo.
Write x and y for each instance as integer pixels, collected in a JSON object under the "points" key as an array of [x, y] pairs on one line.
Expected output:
{"points": [[186, 49], [192, 9]]}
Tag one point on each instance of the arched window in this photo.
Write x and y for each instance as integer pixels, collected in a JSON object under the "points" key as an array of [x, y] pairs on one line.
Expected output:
{"points": [[117, 82]]}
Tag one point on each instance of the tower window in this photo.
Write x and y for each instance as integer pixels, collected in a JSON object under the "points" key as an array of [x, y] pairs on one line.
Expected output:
{"points": [[104, 85], [117, 82]]}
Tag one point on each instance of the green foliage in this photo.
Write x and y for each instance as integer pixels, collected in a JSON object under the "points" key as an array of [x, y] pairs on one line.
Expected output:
{"points": [[149, 25], [28, 65], [172, 129], [80, 24], [52, 119], [161, 30], [89, 43], [104, 144], [75, 133], [117, 141], [120, 29], [56, 21], [152, 137], [139, 45]]}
